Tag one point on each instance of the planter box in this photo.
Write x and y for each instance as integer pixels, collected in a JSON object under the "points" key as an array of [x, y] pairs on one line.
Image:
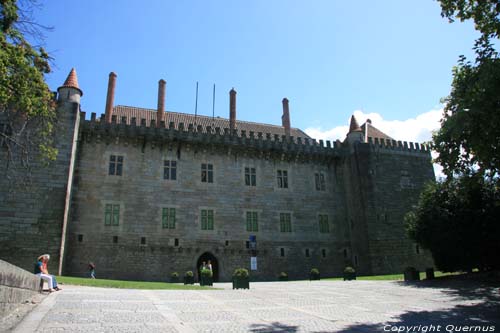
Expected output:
{"points": [[314, 277], [241, 283], [349, 276], [411, 274], [189, 280], [206, 281]]}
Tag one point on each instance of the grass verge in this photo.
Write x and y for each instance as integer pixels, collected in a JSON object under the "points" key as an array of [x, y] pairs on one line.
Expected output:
{"points": [[393, 277], [126, 284]]}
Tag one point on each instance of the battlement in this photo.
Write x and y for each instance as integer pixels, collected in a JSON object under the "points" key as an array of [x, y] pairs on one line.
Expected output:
{"points": [[380, 143], [139, 128]]}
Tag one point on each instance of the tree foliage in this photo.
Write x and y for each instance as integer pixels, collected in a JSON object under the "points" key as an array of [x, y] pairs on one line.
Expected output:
{"points": [[457, 221], [27, 109], [468, 141]]}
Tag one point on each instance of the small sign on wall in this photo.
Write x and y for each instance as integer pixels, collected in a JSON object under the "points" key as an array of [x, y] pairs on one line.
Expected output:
{"points": [[253, 263]]}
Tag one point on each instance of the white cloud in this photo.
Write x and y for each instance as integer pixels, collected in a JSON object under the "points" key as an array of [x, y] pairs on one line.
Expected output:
{"points": [[418, 129]]}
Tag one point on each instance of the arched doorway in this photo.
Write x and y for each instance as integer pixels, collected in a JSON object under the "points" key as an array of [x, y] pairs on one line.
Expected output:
{"points": [[205, 257]]}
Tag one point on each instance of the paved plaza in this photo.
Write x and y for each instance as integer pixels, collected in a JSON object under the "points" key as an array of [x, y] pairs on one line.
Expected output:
{"points": [[303, 306]]}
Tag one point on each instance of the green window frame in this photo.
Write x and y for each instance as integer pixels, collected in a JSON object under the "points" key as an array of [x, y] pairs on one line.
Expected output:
{"points": [[250, 177], [324, 225], [168, 218], [252, 221], [112, 214], [282, 177], [285, 222], [207, 219]]}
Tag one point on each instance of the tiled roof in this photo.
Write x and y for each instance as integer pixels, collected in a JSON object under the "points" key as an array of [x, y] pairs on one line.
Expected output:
{"points": [[72, 81], [150, 114], [374, 132]]}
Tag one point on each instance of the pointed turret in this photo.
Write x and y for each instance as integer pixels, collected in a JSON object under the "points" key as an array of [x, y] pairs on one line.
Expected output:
{"points": [[70, 91], [354, 126], [355, 132]]}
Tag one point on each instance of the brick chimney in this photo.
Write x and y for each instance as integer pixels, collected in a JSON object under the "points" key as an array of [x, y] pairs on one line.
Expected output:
{"points": [[232, 109], [285, 118], [110, 98], [161, 102]]}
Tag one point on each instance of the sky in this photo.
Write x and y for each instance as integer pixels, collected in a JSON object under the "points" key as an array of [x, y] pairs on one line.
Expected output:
{"points": [[387, 60]]}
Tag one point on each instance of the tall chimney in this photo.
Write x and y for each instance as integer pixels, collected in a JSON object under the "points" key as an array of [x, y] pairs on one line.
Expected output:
{"points": [[285, 118], [161, 102], [110, 98], [232, 110]]}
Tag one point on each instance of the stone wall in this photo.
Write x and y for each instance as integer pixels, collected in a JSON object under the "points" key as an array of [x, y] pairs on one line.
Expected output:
{"points": [[31, 216], [16, 287], [141, 193], [390, 182]]}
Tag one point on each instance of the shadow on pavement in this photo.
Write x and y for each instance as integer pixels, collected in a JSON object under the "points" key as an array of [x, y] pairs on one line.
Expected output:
{"points": [[273, 327]]}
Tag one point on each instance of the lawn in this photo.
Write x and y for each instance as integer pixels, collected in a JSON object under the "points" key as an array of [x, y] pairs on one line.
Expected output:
{"points": [[392, 277], [126, 284]]}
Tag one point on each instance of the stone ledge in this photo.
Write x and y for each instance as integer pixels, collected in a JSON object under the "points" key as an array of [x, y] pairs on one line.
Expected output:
{"points": [[16, 286]]}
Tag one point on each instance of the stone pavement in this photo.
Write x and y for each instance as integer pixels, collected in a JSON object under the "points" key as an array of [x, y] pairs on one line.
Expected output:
{"points": [[302, 306]]}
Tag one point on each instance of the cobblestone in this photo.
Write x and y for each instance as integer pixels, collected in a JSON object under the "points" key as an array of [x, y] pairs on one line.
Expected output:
{"points": [[296, 307]]}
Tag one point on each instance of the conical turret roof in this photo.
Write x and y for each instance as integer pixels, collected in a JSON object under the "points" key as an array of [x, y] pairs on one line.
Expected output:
{"points": [[71, 81], [354, 126]]}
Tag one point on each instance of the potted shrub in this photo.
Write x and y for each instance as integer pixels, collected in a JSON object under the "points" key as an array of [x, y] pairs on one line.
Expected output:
{"points": [[241, 279], [206, 277], [189, 277], [314, 275], [283, 276], [174, 277], [349, 273], [411, 274]]}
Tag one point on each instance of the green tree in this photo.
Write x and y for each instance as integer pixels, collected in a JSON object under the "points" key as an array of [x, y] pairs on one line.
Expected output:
{"points": [[457, 221], [468, 141], [27, 109]]}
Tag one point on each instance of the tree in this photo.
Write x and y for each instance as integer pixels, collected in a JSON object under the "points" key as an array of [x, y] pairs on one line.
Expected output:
{"points": [[27, 108], [457, 221], [469, 138]]}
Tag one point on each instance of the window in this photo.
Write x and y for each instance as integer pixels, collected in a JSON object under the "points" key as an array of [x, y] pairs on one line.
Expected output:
{"points": [[282, 178], [176, 242], [80, 238], [324, 226], [168, 218], [319, 179], [170, 170], [143, 240], [115, 239], [307, 253], [282, 252], [247, 244], [112, 214], [115, 165], [345, 253], [250, 177], [207, 173], [323, 253], [252, 221], [417, 249], [227, 243], [285, 222], [207, 219]]}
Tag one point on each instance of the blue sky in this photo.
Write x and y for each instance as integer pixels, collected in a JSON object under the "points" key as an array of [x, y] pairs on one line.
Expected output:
{"points": [[390, 59]]}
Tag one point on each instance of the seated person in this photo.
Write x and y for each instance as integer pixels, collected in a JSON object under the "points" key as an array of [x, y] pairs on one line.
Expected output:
{"points": [[41, 270]]}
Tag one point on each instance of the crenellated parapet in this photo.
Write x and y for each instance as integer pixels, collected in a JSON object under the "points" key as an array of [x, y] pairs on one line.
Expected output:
{"points": [[380, 144], [139, 131]]}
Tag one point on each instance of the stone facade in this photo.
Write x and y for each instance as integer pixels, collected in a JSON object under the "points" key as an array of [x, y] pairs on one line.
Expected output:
{"points": [[359, 189]]}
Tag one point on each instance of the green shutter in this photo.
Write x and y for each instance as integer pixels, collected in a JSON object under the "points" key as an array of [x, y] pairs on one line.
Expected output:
{"points": [[171, 219], [164, 218], [210, 220], [116, 214], [108, 214]]}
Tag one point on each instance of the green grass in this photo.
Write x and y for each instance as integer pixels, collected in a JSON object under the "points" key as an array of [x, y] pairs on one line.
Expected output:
{"points": [[393, 277], [126, 284]]}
